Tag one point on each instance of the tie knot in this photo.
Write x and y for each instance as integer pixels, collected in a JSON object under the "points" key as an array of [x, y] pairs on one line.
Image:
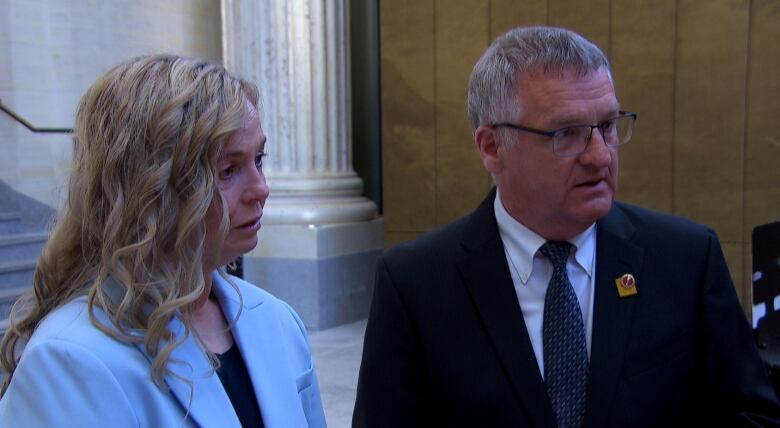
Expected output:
{"points": [[557, 252]]}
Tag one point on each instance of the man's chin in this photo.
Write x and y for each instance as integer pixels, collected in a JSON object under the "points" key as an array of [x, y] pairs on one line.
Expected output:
{"points": [[596, 209]]}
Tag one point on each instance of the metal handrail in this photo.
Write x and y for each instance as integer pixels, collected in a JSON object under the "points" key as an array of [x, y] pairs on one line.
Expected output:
{"points": [[30, 126]]}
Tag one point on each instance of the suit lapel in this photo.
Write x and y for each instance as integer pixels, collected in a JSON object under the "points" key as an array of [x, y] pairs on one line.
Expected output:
{"points": [[616, 255], [255, 334], [486, 275]]}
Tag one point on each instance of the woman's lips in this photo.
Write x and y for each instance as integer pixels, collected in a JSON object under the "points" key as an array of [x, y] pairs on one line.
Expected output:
{"points": [[252, 224]]}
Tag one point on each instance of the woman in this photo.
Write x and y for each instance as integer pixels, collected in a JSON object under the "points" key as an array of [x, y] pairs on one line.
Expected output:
{"points": [[132, 321]]}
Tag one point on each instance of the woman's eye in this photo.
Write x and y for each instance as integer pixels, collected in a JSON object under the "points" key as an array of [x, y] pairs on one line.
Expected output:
{"points": [[227, 172], [259, 160]]}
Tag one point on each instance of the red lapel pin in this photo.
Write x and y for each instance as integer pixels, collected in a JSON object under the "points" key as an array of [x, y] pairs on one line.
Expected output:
{"points": [[626, 285]]}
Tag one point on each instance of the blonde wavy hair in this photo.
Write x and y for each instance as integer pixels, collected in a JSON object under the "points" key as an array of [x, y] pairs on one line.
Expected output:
{"points": [[147, 137]]}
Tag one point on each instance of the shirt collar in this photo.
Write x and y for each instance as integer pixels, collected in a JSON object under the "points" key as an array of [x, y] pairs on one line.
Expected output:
{"points": [[585, 243], [522, 243]]}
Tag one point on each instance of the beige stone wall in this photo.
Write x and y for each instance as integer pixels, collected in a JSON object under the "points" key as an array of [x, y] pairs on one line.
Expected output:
{"points": [[51, 50], [701, 74]]}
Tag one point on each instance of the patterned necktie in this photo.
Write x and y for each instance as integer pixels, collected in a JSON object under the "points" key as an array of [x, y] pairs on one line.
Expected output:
{"points": [[563, 336]]}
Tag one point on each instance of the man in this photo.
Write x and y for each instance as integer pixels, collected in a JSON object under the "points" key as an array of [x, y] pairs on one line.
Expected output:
{"points": [[550, 305]]}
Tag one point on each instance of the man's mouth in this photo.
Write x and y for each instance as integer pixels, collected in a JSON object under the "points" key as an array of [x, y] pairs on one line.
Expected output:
{"points": [[591, 183]]}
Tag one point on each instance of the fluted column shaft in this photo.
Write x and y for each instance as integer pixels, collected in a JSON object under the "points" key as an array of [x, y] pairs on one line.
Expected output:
{"points": [[297, 51]]}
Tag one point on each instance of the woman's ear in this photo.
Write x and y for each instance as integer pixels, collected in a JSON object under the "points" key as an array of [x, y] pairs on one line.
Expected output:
{"points": [[489, 146]]}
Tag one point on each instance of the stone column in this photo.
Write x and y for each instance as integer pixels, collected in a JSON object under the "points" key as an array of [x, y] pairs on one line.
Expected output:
{"points": [[320, 237]]}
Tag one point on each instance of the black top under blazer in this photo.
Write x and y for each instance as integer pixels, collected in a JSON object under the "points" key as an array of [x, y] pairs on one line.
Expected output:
{"points": [[446, 343]]}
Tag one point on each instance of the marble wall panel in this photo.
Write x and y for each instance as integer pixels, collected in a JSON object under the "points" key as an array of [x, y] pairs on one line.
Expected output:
{"points": [[712, 41], [393, 238], [642, 57], [408, 114], [762, 145], [506, 14], [9, 166], [461, 37], [587, 17]]}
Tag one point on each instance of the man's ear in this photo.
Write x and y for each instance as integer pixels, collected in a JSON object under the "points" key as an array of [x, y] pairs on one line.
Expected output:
{"points": [[489, 147]]}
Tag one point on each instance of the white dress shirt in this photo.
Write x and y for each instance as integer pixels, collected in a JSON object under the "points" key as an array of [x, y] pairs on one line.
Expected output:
{"points": [[531, 273]]}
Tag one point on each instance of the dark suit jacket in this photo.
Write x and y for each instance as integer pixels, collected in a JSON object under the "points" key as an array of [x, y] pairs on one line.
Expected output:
{"points": [[446, 344]]}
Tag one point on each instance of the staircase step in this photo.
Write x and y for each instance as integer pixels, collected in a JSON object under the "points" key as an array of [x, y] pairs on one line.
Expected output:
{"points": [[16, 273], [10, 222], [22, 246]]}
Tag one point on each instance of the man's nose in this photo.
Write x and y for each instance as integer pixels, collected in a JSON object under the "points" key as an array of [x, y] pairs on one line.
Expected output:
{"points": [[597, 152]]}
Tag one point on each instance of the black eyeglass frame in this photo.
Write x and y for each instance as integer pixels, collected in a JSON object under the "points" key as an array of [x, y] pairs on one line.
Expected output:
{"points": [[551, 134]]}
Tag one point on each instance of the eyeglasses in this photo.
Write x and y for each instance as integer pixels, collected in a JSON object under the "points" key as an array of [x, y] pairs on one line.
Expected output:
{"points": [[572, 140]]}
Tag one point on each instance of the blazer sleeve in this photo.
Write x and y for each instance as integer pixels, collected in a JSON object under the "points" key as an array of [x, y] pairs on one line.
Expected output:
{"points": [[736, 375], [58, 383], [391, 389]]}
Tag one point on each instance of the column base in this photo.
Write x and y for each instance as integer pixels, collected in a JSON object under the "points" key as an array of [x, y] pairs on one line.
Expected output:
{"points": [[317, 199], [325, 272]]}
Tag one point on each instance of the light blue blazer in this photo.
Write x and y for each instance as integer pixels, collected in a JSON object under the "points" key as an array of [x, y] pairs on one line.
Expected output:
{"points": [[73, 375]]}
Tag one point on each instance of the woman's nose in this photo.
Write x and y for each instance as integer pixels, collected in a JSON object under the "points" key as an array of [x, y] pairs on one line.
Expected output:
{"points": [[258, 190]]}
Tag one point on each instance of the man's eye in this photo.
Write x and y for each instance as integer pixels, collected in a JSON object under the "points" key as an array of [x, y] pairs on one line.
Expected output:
{"points": [[566, 133]]}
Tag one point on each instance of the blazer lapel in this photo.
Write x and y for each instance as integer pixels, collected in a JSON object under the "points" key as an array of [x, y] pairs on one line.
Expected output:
{"points": [[254, 332], [191, 379], [196, 385], [486, 275], [616, 255]]}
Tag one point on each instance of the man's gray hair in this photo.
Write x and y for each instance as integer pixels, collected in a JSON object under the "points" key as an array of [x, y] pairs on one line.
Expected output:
{"points": [[493, 93]]}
